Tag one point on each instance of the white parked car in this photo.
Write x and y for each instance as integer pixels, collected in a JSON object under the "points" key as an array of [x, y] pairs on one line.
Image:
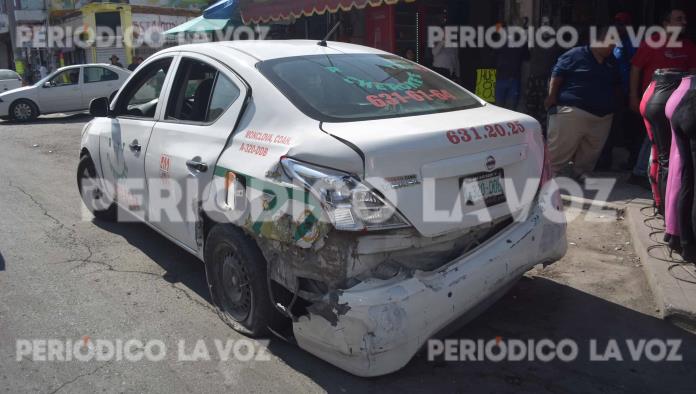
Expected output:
{"points": [[357, 198], [9, 80], [68, 89]]}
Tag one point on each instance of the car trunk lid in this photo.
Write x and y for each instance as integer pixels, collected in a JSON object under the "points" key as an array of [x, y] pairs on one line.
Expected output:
{"points": [[440, 170]]}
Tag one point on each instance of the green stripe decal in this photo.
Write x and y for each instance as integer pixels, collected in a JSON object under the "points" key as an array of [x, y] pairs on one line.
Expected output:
{"points": [[279, 197]]}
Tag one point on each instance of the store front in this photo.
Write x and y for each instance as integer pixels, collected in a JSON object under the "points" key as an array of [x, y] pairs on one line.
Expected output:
{"points": [[145, 24], [100, 18], [398, 26], [395, 26]]}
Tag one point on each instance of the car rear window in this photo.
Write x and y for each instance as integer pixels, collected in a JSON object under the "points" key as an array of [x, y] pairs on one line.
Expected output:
{"points": [[353, 87], [8, 74]]}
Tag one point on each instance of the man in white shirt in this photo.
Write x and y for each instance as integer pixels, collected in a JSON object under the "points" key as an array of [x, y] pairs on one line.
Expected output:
{"points": [[446, 61]]}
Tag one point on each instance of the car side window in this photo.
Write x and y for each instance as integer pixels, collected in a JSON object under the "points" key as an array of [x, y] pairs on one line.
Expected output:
{"points": [[141, 95], [66, 78], [99, 74], [200, 93], [8, 75], [225, 93]]}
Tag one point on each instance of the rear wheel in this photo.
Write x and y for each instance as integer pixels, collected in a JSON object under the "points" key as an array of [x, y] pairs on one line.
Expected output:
{"points": [[23, 111], [236, 272], [94, 198]]}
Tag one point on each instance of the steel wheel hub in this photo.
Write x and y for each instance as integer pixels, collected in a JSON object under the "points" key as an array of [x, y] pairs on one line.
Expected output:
{"points": [[236, 289], [22, 111]]}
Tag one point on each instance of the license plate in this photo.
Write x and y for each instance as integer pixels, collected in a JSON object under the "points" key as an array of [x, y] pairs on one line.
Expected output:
{"points": [[485, 186]]}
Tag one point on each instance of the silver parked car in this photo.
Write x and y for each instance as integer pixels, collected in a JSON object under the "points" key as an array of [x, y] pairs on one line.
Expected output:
{"points": [[9, 80], [68, 89]]}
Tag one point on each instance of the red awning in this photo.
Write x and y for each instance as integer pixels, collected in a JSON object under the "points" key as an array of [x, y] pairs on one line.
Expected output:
{"points": [[264, 11]]}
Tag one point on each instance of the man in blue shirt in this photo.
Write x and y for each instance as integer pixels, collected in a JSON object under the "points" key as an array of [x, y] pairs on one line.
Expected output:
{"points": [[581, 102]]}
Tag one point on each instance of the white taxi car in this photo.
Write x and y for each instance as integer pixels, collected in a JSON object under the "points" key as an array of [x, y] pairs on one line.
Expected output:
{"points": [[68, 89], [355, 197], [9, 80]]}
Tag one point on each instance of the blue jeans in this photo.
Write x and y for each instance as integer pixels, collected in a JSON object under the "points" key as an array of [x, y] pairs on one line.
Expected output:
{"points": [[507, 93], [641, 167]]}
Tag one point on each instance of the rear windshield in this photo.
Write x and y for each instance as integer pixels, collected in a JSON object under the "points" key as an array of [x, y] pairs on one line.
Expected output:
{"points": [[352, 87], [8, 74]]}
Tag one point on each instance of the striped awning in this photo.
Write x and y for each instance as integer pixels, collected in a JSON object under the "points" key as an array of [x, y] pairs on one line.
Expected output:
{"points": [[265, 11]]}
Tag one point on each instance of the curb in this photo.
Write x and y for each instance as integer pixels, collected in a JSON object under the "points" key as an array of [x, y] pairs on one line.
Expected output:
{"points": [[675, 298], [587, 203]]}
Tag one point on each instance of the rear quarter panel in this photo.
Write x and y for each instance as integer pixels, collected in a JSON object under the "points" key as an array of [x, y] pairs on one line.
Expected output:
{"points": [[271, 128]]}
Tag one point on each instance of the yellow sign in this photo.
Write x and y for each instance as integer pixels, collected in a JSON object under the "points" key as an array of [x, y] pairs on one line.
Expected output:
{"points": [[485, 84], [19, 67]]}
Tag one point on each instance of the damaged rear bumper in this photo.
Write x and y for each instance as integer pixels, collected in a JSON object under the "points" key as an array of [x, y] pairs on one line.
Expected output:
{"points": [[381, 324]]}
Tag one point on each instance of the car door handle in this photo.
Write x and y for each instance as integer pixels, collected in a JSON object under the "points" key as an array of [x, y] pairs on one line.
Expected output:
{"points": [[196, 164], [135, 146]]}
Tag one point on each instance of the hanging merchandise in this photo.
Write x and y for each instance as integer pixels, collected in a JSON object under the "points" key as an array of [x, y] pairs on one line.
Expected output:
{"points": [[674, 178], [683, 121], [652, 107]]}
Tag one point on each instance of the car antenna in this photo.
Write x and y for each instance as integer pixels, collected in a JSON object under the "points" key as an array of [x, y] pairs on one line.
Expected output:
{"points": [[322, 43]]}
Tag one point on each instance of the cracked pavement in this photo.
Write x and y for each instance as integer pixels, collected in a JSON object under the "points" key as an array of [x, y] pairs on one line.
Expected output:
{"points": [[64, 276]]}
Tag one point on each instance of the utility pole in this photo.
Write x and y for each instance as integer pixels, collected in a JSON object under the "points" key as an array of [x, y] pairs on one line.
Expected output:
{"points": [[16, 54], [49, 50]]}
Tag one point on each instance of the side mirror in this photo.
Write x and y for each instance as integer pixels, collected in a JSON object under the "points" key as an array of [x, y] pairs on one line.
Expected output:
{"points": [[47, 85], [99, 107]]}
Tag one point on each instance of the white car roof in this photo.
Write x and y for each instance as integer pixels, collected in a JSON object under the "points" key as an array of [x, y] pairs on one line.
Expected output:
{"points": [[88, 65], [273, 49]]}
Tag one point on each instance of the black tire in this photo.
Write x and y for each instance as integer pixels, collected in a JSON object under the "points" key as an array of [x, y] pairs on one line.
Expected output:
{"points": [[23, 111], [94, 198], [236, 273]]}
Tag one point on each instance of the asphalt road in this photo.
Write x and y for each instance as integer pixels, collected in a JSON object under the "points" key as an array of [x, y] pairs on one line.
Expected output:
{"points": [[63, 278]]}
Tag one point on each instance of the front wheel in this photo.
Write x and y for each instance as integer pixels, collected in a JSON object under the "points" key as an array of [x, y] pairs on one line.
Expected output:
{"points": [[90, 191], [23, 111], [236, 272]]}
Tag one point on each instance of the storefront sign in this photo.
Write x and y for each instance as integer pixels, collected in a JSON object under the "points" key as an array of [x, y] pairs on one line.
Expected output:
{"points": [[148, 22], [19, 67]]}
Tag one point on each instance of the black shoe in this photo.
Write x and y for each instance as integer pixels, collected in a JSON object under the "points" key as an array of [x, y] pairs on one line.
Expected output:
{"points": [[641, 181]]}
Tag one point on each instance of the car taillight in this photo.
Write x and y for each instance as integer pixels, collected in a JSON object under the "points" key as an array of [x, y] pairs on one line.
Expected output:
{"points": [[546, 172], [350, 204]]}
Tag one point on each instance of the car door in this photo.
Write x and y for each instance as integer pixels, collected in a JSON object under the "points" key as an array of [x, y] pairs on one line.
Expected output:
{"points": [[98, 82], [122, 149], [205, 100], [62, 92]]}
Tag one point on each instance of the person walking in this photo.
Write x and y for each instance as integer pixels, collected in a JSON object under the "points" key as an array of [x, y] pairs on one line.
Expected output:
{"points": [[582, 99], [114, 61], [446, 61], [135, 64]]}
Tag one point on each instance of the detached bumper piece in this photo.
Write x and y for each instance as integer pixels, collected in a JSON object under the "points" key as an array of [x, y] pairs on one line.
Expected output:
{"points": [[376, 327]]}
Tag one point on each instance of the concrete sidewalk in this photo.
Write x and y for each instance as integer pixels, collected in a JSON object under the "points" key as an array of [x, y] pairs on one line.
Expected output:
{"points": [[673, 282]]}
